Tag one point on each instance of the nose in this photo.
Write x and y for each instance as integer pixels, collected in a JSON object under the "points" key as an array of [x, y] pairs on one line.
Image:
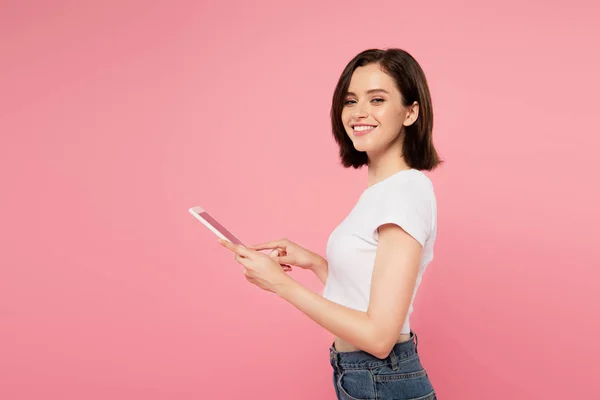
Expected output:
{"points": [[360, 111]]}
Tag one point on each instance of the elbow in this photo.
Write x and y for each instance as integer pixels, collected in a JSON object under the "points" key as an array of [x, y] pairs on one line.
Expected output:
{"points": [[382, 352], [382, 347], [381, 338]]}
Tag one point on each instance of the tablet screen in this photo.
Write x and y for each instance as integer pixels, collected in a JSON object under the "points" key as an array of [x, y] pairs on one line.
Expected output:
{"points": [[214, 225]]}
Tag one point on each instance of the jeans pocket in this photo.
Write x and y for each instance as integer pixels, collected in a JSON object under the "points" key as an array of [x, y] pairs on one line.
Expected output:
{"points": [[405, 385], [356, 384]]}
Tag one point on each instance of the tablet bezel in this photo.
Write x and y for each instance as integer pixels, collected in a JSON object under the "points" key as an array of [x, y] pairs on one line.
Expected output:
{"points": [[214, 226]]}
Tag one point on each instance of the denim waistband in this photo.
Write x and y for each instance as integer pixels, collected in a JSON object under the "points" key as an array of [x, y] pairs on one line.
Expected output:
{"points": [[360, 359]]}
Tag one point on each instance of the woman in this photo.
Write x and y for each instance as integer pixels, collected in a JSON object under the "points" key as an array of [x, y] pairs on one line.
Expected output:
{"points": [[375, 259]]}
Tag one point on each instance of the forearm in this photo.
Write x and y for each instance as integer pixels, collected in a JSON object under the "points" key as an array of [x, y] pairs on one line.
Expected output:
{"points": [[321, 269], [353, 326]]}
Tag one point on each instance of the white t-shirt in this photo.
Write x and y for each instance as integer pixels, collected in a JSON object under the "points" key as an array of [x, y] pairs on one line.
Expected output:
{"points": [[406, 198]]}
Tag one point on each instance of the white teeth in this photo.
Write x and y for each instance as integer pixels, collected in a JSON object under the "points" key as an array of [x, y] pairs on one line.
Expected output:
{"points": [[363, 128]]}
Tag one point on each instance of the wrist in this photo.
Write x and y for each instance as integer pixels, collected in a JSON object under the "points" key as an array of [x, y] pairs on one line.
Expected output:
{"points": [[319, 264], [284, 285]]}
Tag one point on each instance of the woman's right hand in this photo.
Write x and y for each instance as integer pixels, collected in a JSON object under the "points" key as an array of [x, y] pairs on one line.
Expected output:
{"points": [[292, 254]]}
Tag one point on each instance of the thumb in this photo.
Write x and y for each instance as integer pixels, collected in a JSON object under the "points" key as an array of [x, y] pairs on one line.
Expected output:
{"points": [[274, 253], [284, 260]]}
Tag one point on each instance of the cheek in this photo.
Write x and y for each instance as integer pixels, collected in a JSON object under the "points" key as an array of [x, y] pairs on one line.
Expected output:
{"points": [[345, 116], [383, 115], [389, 118]]}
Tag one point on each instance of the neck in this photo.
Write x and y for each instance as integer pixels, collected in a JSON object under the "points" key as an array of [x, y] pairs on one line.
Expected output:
{"points": [[383, 165]]}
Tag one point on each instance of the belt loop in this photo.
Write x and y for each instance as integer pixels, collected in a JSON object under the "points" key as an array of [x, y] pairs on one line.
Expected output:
{"points": [[416, 342], [394, 360], [335, 358]]}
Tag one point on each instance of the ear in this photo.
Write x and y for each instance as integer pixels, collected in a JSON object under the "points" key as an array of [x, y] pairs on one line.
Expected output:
{"points": [[412, 114]]}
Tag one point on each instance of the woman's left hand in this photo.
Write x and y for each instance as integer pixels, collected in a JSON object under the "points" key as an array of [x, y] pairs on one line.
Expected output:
{"points": [[260, 269]]}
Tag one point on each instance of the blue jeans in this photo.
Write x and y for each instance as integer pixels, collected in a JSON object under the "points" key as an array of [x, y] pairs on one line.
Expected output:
{"points": [[358, 375]]}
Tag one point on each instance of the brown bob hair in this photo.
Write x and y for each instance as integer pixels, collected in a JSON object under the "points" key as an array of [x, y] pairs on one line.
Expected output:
{"points": [[418, 150]]}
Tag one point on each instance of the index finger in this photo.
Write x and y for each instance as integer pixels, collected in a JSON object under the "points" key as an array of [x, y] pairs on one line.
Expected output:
{"points": [[237, 249], [267, 245]]}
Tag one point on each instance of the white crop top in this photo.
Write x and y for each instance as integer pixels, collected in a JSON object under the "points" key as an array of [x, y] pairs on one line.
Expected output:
{"points": [[406, 198]]}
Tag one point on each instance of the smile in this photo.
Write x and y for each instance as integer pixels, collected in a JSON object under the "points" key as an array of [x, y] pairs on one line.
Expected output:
{"points": [[360, 130]]}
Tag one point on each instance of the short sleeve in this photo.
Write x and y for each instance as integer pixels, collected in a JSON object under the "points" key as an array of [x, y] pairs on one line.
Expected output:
{"points": [[409, 207]]}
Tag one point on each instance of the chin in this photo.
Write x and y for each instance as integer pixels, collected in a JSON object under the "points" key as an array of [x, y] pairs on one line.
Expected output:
{"points": [[360, 147], [363, 145]]}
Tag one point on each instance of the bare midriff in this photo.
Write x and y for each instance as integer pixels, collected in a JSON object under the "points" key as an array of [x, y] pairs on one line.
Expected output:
{"points": [[344, 346]]}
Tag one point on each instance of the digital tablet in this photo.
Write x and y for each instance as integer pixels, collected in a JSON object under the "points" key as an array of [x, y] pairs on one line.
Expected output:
{"points": [[212, 224]]}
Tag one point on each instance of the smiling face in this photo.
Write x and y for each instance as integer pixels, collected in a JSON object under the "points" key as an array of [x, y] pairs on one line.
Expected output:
{"points": [[373, 114]]}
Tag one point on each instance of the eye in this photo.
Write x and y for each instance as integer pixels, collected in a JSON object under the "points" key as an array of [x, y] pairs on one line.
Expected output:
{"points": [[378, 100], [349, 101]]}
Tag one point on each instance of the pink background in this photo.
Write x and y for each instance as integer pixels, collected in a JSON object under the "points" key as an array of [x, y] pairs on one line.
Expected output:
{"points": [[115, 117]]}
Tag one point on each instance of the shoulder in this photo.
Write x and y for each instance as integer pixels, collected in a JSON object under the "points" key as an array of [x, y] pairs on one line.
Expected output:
{"points": [[407, 200], [413, 187]]}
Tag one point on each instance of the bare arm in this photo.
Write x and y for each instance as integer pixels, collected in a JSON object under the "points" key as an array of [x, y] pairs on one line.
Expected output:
{"points": [[394, 276], [321, 270], [294, 254]]}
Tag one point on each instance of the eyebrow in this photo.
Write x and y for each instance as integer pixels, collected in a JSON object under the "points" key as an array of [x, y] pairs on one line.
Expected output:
{"points": [[369, 92]]}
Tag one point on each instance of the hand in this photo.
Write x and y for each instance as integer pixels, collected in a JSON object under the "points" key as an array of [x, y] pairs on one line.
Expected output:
{"points": [[275, 254], [260, 269], [291, 253]]}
